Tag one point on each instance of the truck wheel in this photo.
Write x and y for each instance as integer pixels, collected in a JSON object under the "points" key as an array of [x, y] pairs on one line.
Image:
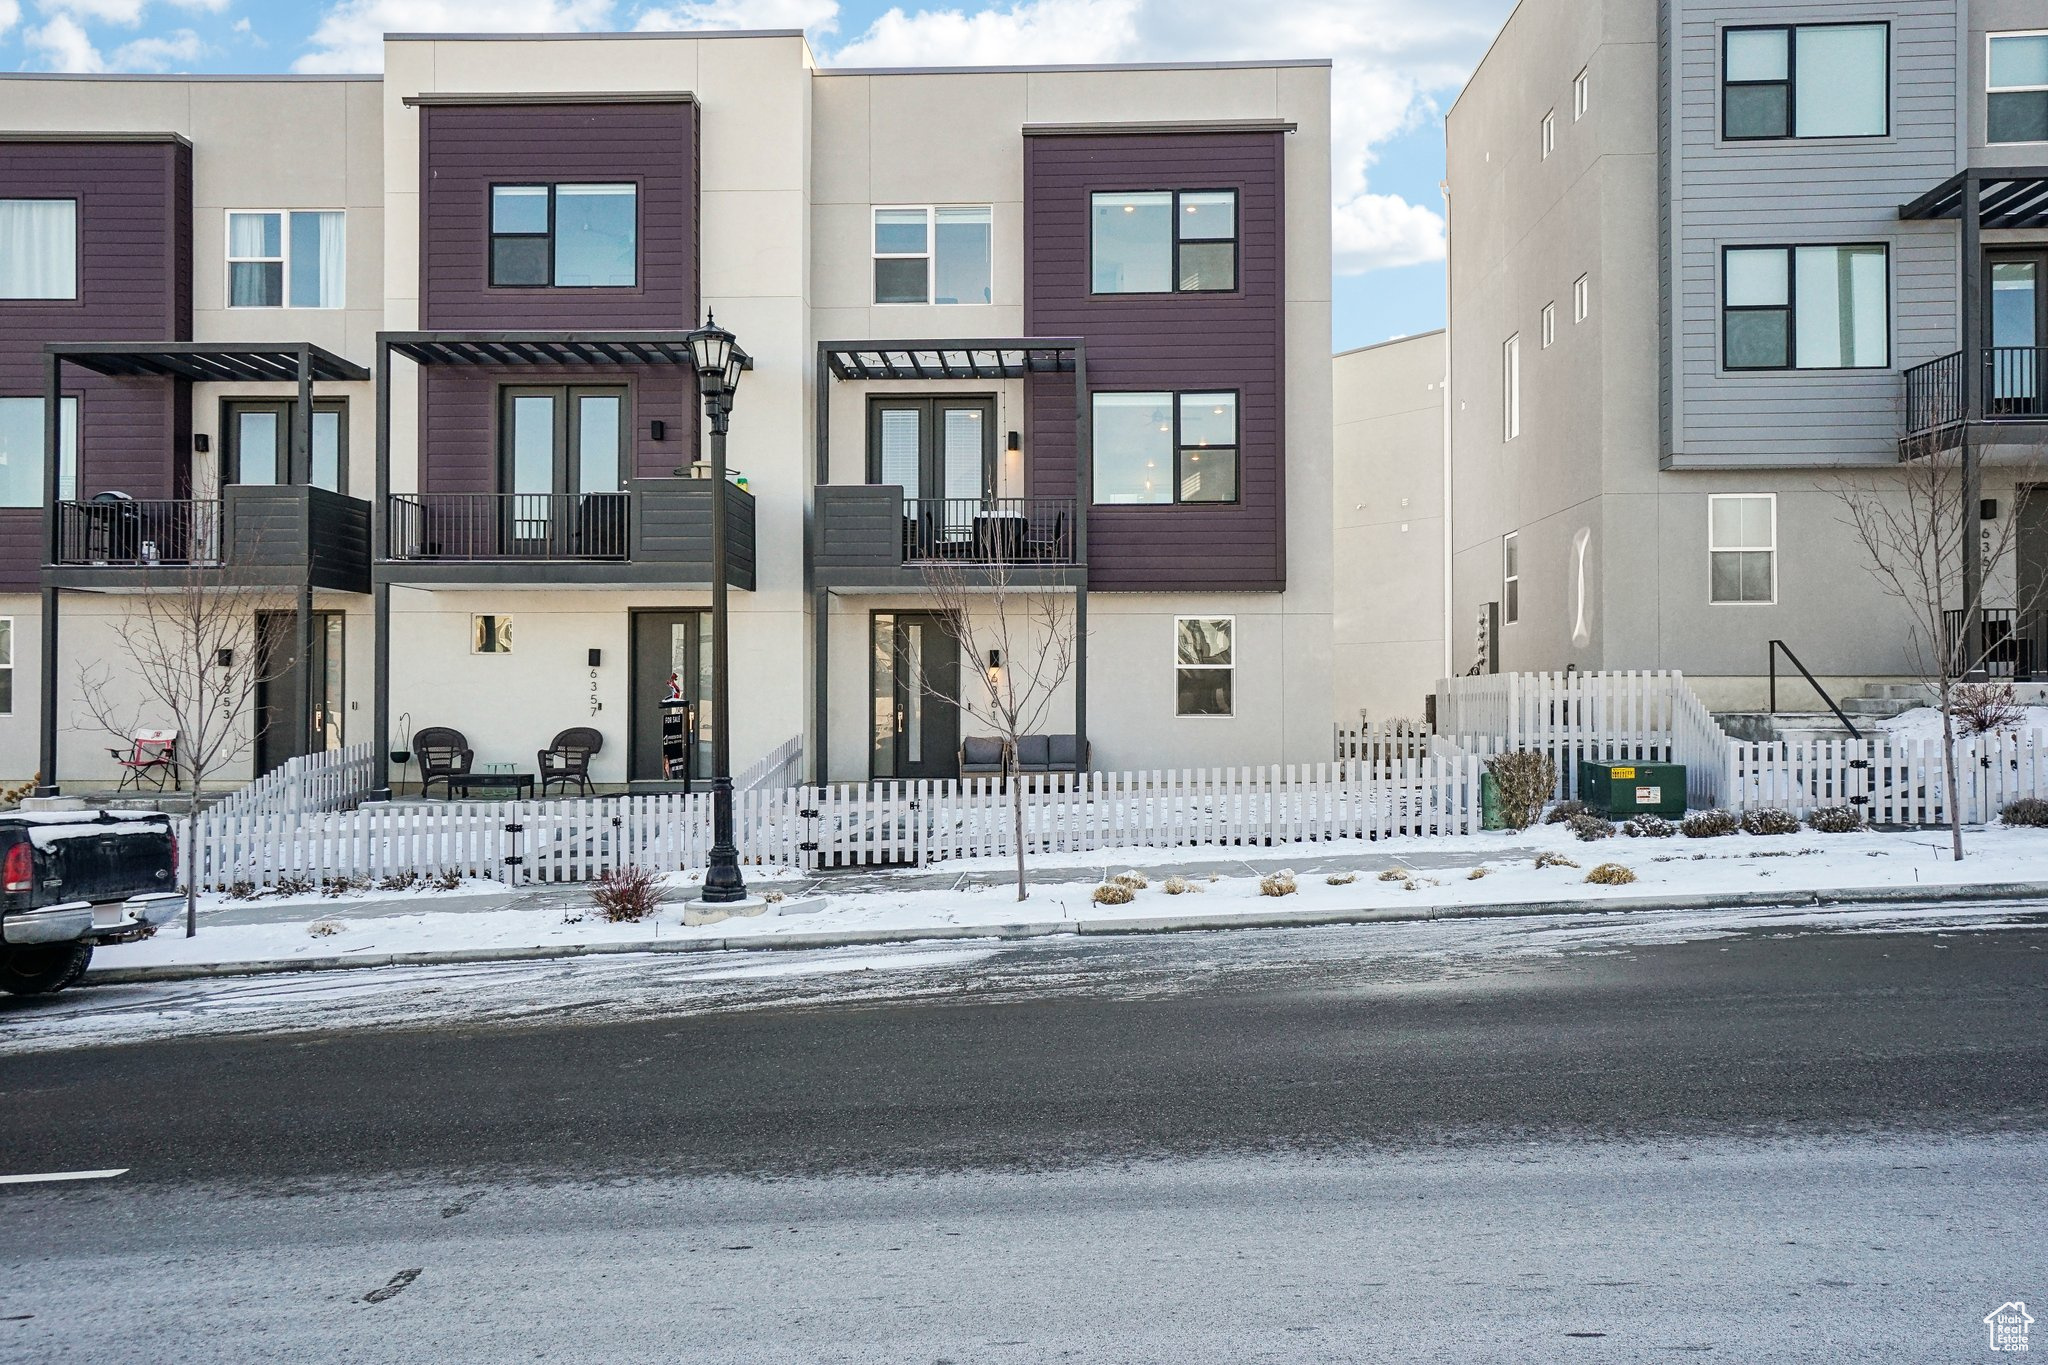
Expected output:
{"points": [[43, 969]]}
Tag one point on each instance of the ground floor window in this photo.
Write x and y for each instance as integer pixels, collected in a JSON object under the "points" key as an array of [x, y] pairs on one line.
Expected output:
{"points": [[6, 665], [490, 635], [1742, 547], [1205, 668]]}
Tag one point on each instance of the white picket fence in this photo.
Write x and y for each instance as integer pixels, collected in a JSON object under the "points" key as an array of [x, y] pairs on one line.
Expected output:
{"points": [[331, 779], [782, 766], [855, 824], [1892, 781], [1380, 740], [1588, 717]]}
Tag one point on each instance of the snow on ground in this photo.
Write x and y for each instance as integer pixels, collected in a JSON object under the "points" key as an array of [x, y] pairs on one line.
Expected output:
{"points": [[1793, 865], [1924, 722]]}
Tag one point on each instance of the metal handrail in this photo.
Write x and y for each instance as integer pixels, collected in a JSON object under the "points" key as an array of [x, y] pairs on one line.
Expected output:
{"points": [[138, 532], [1811, 681], [989, 530], [519, 526], [2013, 388]]}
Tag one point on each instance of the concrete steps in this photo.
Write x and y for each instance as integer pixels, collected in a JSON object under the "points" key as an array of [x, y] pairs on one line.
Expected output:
{"points": [[1876, 702]]}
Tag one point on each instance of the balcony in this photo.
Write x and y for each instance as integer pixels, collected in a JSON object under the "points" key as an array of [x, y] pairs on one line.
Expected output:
{"points": [[655, 531], [870, 535], [255, 535], [2014, 391]]}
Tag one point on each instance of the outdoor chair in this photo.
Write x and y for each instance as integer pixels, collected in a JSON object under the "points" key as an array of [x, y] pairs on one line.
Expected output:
{"points": [[151, 756], [443, 754], [567, 759]]}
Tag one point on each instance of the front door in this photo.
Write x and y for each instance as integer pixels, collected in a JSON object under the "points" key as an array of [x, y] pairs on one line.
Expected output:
{"points": [[915, 697], [257, 444], [942, 453], [2017, 316], [563, 463], [669, 645], [279, 684]]}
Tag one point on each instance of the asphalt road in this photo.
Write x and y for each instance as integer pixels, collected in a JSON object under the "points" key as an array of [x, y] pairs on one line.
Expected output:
{"points": [[1744, 1140]]}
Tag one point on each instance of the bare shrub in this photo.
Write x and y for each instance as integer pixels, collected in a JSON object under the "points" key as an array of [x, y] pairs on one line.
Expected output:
{"points": [[626, 895], [1179, 886], [399, 881], [1835, 820], [1279, 883], [1476, 873], [1564, 811], [1610, 874], [448, 881], [1133, 879], [243, 891], [1649, 827], [1554, 860], [1112, 893], [1396, 874], [292, 885], [1982, 707], [324, 928], [1524, 780], [1769, 821], [1340, 879], [2029, 812], [1587, 828], [1709, 824]]}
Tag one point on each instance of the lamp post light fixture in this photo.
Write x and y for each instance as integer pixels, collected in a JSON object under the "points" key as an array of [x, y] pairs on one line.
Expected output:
{"points": [[718, 361]]}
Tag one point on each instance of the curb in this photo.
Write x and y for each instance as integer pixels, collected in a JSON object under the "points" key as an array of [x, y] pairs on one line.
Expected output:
{"points": [[1137, 924]]}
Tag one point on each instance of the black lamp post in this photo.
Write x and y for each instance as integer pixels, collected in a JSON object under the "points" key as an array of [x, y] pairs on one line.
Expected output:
{"points": [[719, 362]]}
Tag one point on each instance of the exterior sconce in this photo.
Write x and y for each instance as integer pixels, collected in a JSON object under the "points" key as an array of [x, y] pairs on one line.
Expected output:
{"points": [[201, 442], [657, 430], [1987, 509], [223, 658], [596, 658], [1016, 442], [995, 661]]}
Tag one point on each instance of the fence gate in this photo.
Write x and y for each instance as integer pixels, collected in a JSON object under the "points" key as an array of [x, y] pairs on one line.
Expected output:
{"points": [[865, 824]]}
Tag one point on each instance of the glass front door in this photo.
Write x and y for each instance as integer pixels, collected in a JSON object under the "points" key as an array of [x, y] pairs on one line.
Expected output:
{"points": [[914, 697], [671, 652], [562, 462], [2019, 332]]}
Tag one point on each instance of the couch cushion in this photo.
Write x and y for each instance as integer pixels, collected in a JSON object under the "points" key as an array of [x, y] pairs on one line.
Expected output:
{"points": [[1032, 752], [981, 751], [1063, 751]]}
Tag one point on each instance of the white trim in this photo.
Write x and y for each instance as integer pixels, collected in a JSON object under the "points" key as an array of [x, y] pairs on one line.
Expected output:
{"points": [[930, 254], [1230, 668], [1547, 134], [1547, 332], [1582, 298], [1581, 93], [283, 259], [1713, 549], [1511, 387]]}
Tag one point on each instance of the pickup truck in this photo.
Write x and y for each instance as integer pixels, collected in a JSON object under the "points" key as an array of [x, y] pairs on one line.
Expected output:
{"points": [[70, 879]]}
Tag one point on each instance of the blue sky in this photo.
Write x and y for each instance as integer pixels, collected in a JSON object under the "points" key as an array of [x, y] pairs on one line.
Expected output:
{"points": [[1398, 65]]}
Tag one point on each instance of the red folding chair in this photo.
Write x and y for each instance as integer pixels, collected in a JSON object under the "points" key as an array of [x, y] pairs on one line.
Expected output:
{"points": [[153, 757]]}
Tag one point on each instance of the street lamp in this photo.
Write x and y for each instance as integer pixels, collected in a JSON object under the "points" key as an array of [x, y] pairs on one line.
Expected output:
{"points": [[718, 361]]}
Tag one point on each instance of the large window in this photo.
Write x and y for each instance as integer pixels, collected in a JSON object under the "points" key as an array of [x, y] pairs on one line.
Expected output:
{"points": [[1511, 577], [2016, 99], [1742, 548], [38, 249], [286, 258], [1165, 447], [1164, 241], [1805, 308], [21, 452], [1511, 387], [1204, 665], [933, 255], [6, 665], [1812, 80], [566, 236]]}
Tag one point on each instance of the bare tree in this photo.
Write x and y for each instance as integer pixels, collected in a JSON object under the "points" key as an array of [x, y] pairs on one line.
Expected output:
{"points": [[1911, 527], [1031, 633], [189, 656]]}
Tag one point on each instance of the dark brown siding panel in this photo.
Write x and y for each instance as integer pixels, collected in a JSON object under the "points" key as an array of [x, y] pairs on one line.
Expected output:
{"points": [[465, 149], [1165, 341], [459, 419], [134, 280]]}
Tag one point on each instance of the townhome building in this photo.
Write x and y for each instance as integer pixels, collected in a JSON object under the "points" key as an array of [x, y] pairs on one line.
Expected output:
{"points": [[414, 350], [1710, 263]]}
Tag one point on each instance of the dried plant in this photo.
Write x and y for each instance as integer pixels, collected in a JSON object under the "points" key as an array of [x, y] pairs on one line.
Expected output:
{"points": [[1610, 874], [1709, 824], [1587, 828], [1769, 821], [1553, 860], [626, 894], [1524, 781], [1835, 820], [1984, 707], [1112, 893], [1279, 883]]}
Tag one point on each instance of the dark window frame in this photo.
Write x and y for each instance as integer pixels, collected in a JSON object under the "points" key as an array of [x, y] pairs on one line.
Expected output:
{"points": [[492, 235], [1790, 308], [1236, 194], [231, 442], [1791, 81], [929, 455], [76, 298], [568, 436], [1178, 449]]}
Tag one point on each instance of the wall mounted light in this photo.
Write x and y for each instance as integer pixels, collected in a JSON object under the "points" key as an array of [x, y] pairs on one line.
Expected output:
{"points": [[1016, 442], [596, 658], [224, 658], [657, 430], [995, 661], [201, 442], [1987, 509]]}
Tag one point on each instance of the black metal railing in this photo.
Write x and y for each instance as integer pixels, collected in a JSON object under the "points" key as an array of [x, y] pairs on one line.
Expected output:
{"points": [[2013, 388], [118, 531], [1778, 646], [988, 530], [2009, 643], [522, 526]]}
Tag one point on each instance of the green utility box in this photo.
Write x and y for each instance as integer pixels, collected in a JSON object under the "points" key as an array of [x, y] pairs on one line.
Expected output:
{"points": [[1619, 790], [1489, 803]]}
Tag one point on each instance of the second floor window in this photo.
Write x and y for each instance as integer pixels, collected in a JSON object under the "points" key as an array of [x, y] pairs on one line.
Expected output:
{"points": [[933, 255], [565, 236], [1805, 308], [2016, 98], [1165, 447], [1163, 242], [21, 452], [286, 259], [1511, 387], [1809, 80], [38, 248]]}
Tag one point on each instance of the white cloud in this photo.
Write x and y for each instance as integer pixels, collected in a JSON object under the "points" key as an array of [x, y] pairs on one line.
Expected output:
{"points": [[815, 16], [1035, 31], [64, 45], [159, 54], [10, 15], [127, 12], [351, 36], [1375, 231]]}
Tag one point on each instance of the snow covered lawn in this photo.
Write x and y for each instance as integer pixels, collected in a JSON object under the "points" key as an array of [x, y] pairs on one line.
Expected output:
{"points": [[959, 895]]}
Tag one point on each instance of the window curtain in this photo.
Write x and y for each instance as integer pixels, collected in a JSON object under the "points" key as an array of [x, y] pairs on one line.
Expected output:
{"points": [[332, 252], [38, 249]]}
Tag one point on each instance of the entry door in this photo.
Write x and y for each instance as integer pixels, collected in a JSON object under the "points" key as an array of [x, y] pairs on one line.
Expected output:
{"points": [[2017, 314], [281, 678], [941, 452], [257, 445], [562, 459], [915, 697], [669, 644]]}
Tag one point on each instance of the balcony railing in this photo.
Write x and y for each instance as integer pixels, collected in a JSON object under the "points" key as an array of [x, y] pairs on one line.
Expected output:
{"points": [[114, 531], [2010, 644], [2013, 388], [515, 526], [988, 530]]}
